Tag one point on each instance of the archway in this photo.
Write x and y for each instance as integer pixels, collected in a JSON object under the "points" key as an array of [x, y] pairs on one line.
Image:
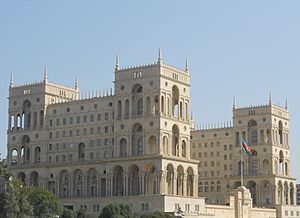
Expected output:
{"points": [[175, 140], [118, 187], [123, 147], [152, 145], [134, 181]]}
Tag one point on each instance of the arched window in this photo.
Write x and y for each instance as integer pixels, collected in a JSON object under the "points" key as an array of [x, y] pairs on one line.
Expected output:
{"points": [[134, 182], [119, 114], [137, 140], [34, 119], [14, 156], [162, 104], [183, 151], [41, 118], [175, 101], [237, 138], [280, 132], [281, 163], [12, 122], [81, 151], [148, 105], [126, 109], [175, 140], [137, 100], [118, 187], [156, 104], [37, 154], [252, 132], [123, 147]]}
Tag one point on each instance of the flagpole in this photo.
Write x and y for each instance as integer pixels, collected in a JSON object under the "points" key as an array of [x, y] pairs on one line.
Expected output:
{"points": [[242, 164]]}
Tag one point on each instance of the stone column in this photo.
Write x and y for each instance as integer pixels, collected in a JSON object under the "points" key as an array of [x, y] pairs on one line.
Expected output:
{"points": [[142, 183], [125, 186], [184, 185], [195, 185], [174, 187]]}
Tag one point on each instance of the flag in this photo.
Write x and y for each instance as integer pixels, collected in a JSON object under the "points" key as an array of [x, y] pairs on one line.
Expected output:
{"points": [[246, 149]]}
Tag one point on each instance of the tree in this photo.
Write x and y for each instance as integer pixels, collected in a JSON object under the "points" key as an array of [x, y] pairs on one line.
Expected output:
{"points": [[45, 204], [116, 211], [13, 200], [81, 213], [67, 213]]}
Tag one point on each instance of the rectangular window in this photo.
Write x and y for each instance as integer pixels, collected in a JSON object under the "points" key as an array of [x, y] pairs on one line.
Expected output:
{"points": [[50, 135], [71, 120], [106, 129], [106, 116], [50, 147], [64, 121], [70, 157], [71, 133], [64, 133], [77, 132], [92, 156], [57, 134], [78, 119], [50, 123], [84, 131], [92, 131], [98, 129], [99, 117], [84, 118], [92, 118], [57, 122]]}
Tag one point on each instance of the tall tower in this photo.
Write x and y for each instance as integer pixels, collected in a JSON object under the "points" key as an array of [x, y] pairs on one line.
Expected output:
{"points": [[152, 107], [27, 109], [267, 173]]}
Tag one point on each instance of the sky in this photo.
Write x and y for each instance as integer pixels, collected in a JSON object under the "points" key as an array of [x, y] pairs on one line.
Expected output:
{"points": [[235, 48]]}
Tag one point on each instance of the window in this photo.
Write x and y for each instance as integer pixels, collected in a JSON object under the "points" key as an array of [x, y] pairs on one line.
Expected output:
{"points": [[92, 118], [50, 147], [84, 118], [64, 121], [57, 122], [50, 123], [78, 119], [71, 120], [106, 116], [99, 117], [92, 131], [50, 135], [106, 129]]}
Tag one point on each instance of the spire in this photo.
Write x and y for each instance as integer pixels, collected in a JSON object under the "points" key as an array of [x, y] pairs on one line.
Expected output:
{"points": [[117, 62], [186, 65], [234, 103], [159, 56], [286, 104], [45, 74], [76, 83], [11, 83], [270, 98]]}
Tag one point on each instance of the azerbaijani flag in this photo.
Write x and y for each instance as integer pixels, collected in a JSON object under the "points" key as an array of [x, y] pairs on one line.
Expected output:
{"points": [[246, 149]]}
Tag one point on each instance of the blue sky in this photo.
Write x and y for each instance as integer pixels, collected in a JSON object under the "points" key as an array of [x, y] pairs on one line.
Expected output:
{"points": [[235, 48]]}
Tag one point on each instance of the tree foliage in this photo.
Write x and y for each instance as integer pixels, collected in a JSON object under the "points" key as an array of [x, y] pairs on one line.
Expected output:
{"points": [[20, 201], [45, 203], [67, 213], [116, 211]]}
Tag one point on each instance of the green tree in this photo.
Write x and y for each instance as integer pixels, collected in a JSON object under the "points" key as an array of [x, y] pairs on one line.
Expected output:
{"points": [[13, 201], [67, 213], [80, 213], [158, 215], [116, 211], [44, 203]]}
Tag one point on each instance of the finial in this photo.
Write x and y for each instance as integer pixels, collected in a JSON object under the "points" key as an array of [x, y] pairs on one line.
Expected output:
{"points": [[11, 84], [45, 74], [117, 62], [159, 56], [76, 83], [286, 104], [186, 65], [270, 98], [234, 103]]}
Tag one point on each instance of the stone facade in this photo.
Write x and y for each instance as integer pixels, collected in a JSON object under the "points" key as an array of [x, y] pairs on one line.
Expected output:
{"points": [[137, 145], [267, 173], [106, 146]]}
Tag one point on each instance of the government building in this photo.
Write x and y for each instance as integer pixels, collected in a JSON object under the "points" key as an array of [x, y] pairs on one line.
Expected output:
{"points": [[137, 144]]}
